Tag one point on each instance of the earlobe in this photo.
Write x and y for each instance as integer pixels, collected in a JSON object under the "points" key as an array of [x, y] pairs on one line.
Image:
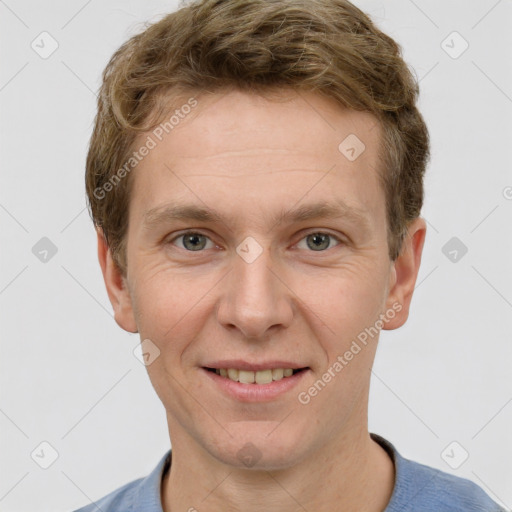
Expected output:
{"points": [[404, 274], [116, 286]]}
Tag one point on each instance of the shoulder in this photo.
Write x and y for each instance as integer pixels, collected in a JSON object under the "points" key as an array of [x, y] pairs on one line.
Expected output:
{"points": [[140, 494], [422, 488], [440, 491], [120, 499]]}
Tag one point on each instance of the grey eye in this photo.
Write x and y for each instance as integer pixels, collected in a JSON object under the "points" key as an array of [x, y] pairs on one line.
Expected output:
{"points": [[193, 241], [319, 241]]}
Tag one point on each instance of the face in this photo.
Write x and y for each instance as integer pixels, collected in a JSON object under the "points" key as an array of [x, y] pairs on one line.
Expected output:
{"points": [[286, 269]]}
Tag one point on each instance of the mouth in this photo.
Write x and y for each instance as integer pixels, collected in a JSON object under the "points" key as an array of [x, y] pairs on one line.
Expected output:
{"points": [[256, 377], [259, 384]]}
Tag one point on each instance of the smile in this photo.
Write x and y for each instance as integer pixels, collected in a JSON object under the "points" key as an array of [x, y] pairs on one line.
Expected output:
{"points": [[255, 377], [258, 385]]}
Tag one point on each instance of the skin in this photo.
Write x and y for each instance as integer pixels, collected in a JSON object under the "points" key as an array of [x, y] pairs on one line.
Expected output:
{"points": [[249, 157]]}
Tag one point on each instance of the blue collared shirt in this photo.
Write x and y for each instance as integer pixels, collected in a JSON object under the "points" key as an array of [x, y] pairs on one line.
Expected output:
{"points": [[418, 488]]}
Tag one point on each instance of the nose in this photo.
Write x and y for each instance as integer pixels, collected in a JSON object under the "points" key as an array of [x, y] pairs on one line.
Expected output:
{"points": [[255, 299]]}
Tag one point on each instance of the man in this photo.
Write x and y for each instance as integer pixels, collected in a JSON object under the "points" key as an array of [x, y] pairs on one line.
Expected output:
{"points": [[255, 175]]}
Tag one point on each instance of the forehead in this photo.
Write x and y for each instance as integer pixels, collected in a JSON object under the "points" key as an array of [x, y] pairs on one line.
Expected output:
{"points": [[239, 151], [278, 119]]}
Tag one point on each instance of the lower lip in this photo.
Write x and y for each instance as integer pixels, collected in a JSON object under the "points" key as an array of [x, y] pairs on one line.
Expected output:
{"points": [[256, 392]]}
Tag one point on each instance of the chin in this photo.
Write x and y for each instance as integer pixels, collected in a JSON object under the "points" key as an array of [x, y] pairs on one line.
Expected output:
{"points": [[264, 445]]}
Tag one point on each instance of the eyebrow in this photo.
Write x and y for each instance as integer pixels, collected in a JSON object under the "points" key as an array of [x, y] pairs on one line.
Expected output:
{"points": [[319, 210]]}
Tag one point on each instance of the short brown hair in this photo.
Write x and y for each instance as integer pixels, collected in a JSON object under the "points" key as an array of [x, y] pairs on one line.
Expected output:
{"points": [[325, 46]]}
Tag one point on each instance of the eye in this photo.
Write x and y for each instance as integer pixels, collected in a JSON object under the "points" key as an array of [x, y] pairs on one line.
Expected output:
{"points": [[192, 241], [319, 242]]}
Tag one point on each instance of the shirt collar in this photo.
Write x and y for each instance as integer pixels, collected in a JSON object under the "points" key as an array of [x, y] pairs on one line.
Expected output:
{"points": [[147, 495]]}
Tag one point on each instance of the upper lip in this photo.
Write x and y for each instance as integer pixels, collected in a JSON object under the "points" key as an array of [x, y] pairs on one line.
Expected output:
{"points": [[240, 364]]}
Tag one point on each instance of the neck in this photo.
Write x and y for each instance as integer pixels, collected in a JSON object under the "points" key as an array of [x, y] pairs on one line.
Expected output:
{"points": [[352, 472]]}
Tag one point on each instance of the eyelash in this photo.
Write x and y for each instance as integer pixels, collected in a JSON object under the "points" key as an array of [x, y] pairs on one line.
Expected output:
{"points": [[194, 232]]}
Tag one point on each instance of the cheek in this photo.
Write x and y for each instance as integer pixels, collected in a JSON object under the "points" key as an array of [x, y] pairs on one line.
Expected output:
{"points": [[167, 303], [346, 310], [170, 312], [160, 287], [347, 298], [349, 308]]}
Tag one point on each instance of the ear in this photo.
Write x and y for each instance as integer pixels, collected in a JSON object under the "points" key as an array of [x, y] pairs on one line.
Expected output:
{"points": [[404, 273], [116, 286]]}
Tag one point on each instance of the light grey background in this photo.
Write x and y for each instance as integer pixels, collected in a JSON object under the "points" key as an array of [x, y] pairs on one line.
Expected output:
{"points": [[68, 373]]}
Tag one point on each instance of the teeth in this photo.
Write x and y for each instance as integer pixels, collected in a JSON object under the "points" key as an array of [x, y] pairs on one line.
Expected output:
{"points": [[263, 377], [246, 377], [277, 374], [259, 377]]}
